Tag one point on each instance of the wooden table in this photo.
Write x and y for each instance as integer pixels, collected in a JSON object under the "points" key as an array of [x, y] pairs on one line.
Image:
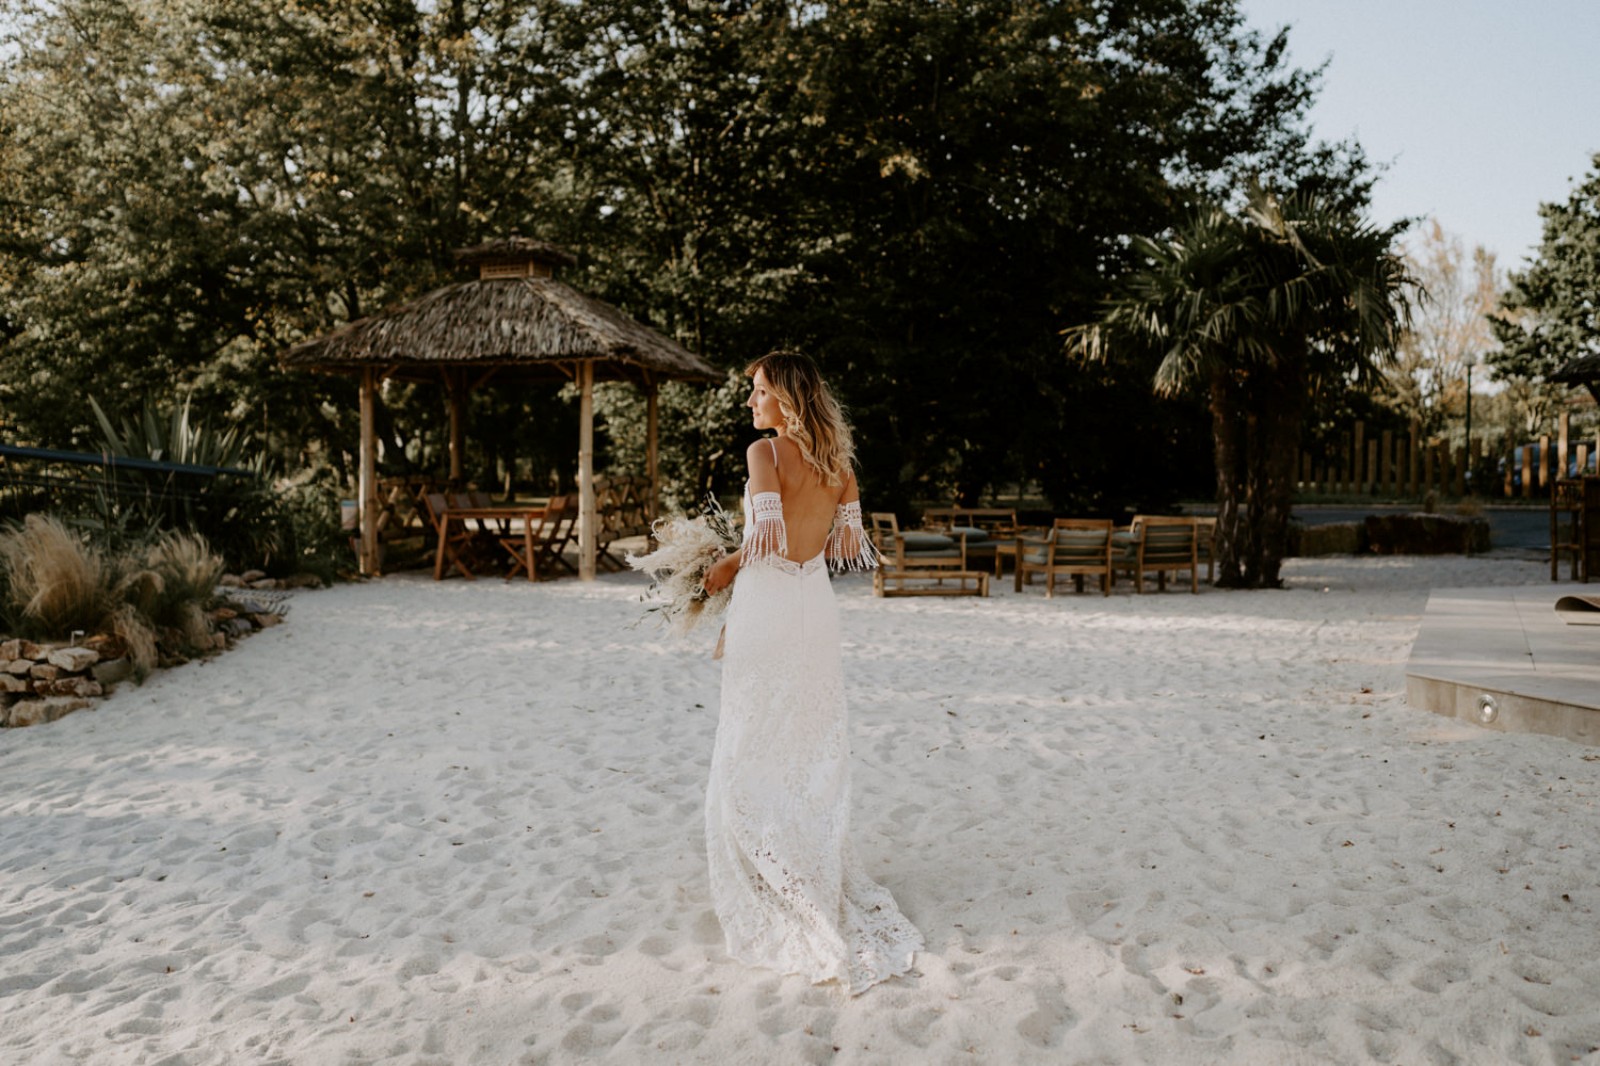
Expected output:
{"points": [[503, 519], [1007, 544]]}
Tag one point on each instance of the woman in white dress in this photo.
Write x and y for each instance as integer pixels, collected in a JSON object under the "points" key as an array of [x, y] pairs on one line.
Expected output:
{"points": [[784, 881]]}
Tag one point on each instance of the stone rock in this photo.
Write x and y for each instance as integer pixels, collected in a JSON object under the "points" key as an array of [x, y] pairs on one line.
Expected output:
{"points": [[44, 672], [12, 683], [239, 627], [71, 686], [230, 581], [19, 667], [265, 583], [73, 660], [1331, 538], [112, 671], [266, 621], [1426, 534], [301, 581], [222, 614], [10, 649], [33, 712], [250, 576], [30, 650], [219, 641]]}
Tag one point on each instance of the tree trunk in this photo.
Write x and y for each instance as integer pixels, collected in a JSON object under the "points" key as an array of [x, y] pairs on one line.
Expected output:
{"points": [[1276, 401], [1275, 476], [1227, 439]]}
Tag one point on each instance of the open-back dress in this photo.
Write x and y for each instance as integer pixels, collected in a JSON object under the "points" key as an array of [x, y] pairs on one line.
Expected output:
{"points": [[784, 882]]}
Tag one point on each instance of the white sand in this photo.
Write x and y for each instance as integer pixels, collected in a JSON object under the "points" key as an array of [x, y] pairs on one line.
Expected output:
{"points": [[461, 823]]}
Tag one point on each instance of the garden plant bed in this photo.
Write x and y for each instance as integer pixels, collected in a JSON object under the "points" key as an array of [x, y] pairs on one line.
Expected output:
{"points": [[42, 681]]}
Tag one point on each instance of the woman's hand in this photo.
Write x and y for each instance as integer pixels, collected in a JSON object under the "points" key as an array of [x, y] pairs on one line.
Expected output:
{"points": [[721, 574]]}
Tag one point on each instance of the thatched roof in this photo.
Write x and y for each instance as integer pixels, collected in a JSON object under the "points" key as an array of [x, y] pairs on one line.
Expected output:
{"points": [[1582, 370], [527, 327]]}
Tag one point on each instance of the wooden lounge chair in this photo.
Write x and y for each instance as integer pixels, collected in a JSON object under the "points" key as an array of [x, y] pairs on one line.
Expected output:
{"points": [[1075, 546], [1158, 544], [922, 557], [986, 529]]}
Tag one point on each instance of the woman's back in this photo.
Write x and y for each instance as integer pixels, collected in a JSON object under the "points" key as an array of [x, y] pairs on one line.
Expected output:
{"points": [[809, 503]]}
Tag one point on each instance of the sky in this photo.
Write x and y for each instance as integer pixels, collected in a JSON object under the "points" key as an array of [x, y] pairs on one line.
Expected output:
{"points": [[1481, 110]]}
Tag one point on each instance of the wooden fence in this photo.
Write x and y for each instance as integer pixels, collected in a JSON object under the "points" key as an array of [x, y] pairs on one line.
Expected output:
{"points": [[1409, 464]]}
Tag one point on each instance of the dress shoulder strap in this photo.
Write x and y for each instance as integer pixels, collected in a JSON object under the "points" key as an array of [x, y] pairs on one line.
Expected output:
{"points": [[774, 442]]}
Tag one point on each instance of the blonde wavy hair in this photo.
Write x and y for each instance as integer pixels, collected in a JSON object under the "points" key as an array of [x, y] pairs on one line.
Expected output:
{"points": [[812, 417]]}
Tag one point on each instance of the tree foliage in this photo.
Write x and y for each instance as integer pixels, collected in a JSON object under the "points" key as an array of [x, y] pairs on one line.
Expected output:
{"points": [[1550, 314], [1262, 309], [1450, 330], [920, 194]]}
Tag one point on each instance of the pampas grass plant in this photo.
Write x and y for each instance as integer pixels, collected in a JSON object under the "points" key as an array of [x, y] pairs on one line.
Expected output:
{"points": [[189, 572], [55, 583]]}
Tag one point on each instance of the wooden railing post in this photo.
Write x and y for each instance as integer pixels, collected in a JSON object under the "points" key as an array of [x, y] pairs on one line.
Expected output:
{"points": [[1414, 459], [1561, 448]]}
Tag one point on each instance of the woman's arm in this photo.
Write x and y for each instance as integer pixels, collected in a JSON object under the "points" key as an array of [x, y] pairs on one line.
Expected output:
{"points": [[763, 479], [722, 572], [848, 547]]}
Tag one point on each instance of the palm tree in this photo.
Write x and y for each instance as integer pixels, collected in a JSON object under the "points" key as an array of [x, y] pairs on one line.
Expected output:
{"points": [[1261, 309]]}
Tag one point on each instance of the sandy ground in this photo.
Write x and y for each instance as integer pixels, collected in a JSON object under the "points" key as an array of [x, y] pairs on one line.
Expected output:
{"points": [[461, 823]]}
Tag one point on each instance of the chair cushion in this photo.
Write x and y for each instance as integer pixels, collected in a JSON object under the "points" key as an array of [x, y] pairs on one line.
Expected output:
{"points": [[912, 558], [915, 541], [974, 534]]}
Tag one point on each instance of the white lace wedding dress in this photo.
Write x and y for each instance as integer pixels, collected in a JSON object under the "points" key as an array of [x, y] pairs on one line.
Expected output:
{"points": [[784, 881]]}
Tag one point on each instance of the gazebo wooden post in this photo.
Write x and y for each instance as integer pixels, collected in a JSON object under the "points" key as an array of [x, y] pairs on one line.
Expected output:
{"points": [[367, 479], [586, 509], [653, 500], [455, 382]]}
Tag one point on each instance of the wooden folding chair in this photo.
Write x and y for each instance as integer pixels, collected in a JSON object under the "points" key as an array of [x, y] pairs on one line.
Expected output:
{"points": [[457, 543], [521, 545], [555, 533]]}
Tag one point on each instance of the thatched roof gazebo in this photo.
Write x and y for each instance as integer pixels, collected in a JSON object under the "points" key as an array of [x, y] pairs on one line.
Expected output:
{"points": [[514, 323]]}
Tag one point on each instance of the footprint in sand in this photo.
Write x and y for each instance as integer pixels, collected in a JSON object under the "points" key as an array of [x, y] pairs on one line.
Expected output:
{"points": [[1047, 1024]]}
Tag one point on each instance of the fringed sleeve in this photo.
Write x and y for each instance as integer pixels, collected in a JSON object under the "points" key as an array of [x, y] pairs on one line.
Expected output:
{"points": [[768, 536], [848, 546]]}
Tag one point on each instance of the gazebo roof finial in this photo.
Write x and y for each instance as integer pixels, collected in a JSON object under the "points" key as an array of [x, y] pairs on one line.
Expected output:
{"points": [[515, 257]]}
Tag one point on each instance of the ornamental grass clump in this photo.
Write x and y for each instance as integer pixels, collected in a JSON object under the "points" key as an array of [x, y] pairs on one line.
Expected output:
{"points": [[54, 583], [151, 601], [188, 572]]}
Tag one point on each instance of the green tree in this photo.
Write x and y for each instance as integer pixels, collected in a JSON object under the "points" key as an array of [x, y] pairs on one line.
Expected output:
{"points": [[920, 194], [1550, 314], [1261, 309]]}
